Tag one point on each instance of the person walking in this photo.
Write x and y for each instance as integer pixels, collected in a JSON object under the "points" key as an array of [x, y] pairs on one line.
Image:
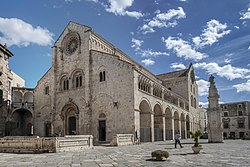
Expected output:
{"points": [[177, 140]]}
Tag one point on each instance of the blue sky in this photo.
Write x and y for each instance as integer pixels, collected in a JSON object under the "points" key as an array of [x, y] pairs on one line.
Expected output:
{"points": [[162, 35]]}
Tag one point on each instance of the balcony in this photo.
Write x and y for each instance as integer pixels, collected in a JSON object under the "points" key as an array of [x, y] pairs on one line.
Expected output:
{"points": [[25, 105]]}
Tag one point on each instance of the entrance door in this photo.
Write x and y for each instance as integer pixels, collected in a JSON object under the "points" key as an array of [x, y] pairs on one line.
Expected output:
{"points": [[48, 130], [72, 125], [102, 130]]}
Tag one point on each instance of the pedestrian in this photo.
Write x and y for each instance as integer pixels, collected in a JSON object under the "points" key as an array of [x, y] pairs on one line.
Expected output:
{"points": [[177, 139]]}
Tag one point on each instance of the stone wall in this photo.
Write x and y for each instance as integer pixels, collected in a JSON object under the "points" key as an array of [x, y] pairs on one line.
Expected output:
{"points": [[123, 140], [43, 103], [112, 97], [35, 144]]}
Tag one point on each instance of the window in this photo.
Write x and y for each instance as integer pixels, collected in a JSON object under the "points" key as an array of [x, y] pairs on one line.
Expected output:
{"points": [[225, 107], [192, 100], [225, 114], [1, 97], [102, 76], [195, 103], [78, 81], [239, 105], [47, 90], [226, 125], [64, 84], [240, 124], [240, 113]]}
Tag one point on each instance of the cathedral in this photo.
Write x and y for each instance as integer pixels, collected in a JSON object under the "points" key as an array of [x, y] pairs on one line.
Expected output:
{"points": [[94, 88]]}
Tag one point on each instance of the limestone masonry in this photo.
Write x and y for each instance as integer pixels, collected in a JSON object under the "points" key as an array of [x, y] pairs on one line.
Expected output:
{"points": [[93, 88]]}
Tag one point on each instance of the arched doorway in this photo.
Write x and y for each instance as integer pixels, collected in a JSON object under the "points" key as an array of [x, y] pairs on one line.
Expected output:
{"points": [[71, 119], [145, 122], [102, 127], [176, 122], [168, 122], [183, 132], [188, 126], [23, 120], [158, 123]]}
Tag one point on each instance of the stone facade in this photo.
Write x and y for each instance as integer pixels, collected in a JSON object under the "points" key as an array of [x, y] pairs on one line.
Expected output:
{"points": [[214, 114], [93, 88], [236, 120], [15, 99], [8, 80]]}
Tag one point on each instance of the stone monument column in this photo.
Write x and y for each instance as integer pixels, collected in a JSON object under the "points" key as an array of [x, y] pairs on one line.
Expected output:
{"points": [[214, 114]]}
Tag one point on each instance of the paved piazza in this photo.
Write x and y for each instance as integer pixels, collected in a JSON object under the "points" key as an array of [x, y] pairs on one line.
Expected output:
{"points": [[229, 153]]}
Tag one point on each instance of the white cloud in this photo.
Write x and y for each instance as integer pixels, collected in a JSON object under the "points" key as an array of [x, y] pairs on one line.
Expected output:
{"points": [[227, 60], [151, 53], [227, 71], [245, 15], [243, 87], [177, 66], [145, 53], [237, 27], [248, 48], [183, 49], [148, 62], [213, 31], [204, 104], [135, 14], [168, 19], [182, 0], [203, 87], [70, 1], [17, 32], [118, 7], [136, 44]]}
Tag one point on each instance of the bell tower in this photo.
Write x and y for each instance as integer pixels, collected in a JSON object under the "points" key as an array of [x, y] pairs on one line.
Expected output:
{"points": [[215, 130]]}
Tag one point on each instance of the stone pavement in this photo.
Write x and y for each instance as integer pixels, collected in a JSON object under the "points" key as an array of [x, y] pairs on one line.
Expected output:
{"points": [[228, 154]]}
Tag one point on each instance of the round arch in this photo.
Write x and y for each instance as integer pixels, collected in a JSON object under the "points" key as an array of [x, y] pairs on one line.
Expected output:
{"points": [[70, 117], [158, 123], [28, 97], [23, 119], [176, 122], [168, 123], [17, 96], [145, 121]]}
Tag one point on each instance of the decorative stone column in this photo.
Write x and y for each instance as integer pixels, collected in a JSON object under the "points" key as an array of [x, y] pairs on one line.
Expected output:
{"points": [[214, 114]]}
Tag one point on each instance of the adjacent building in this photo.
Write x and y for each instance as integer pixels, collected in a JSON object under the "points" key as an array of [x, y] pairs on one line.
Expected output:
{"points": [[236, 120], [8, 80]]}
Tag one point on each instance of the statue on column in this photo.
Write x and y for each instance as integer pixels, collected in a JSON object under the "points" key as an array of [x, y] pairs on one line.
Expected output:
{"points": [[214, 114]]}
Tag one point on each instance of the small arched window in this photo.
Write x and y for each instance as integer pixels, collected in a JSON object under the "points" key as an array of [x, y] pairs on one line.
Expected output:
{"points": [[77, 81], [192, 100], [64, 83], [102, 76]]}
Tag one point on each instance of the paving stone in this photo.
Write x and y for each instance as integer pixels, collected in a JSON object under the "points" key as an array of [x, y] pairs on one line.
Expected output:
{"points": [[230, 153]]}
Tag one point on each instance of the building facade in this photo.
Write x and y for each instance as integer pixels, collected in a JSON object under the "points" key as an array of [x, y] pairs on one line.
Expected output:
{"points": [[8, 80], [236, 120], [94, 88]]}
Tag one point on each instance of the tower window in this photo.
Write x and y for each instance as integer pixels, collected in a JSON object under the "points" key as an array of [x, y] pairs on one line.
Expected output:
{"points": [[47, 90], [102, 76], [66, 84]]}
